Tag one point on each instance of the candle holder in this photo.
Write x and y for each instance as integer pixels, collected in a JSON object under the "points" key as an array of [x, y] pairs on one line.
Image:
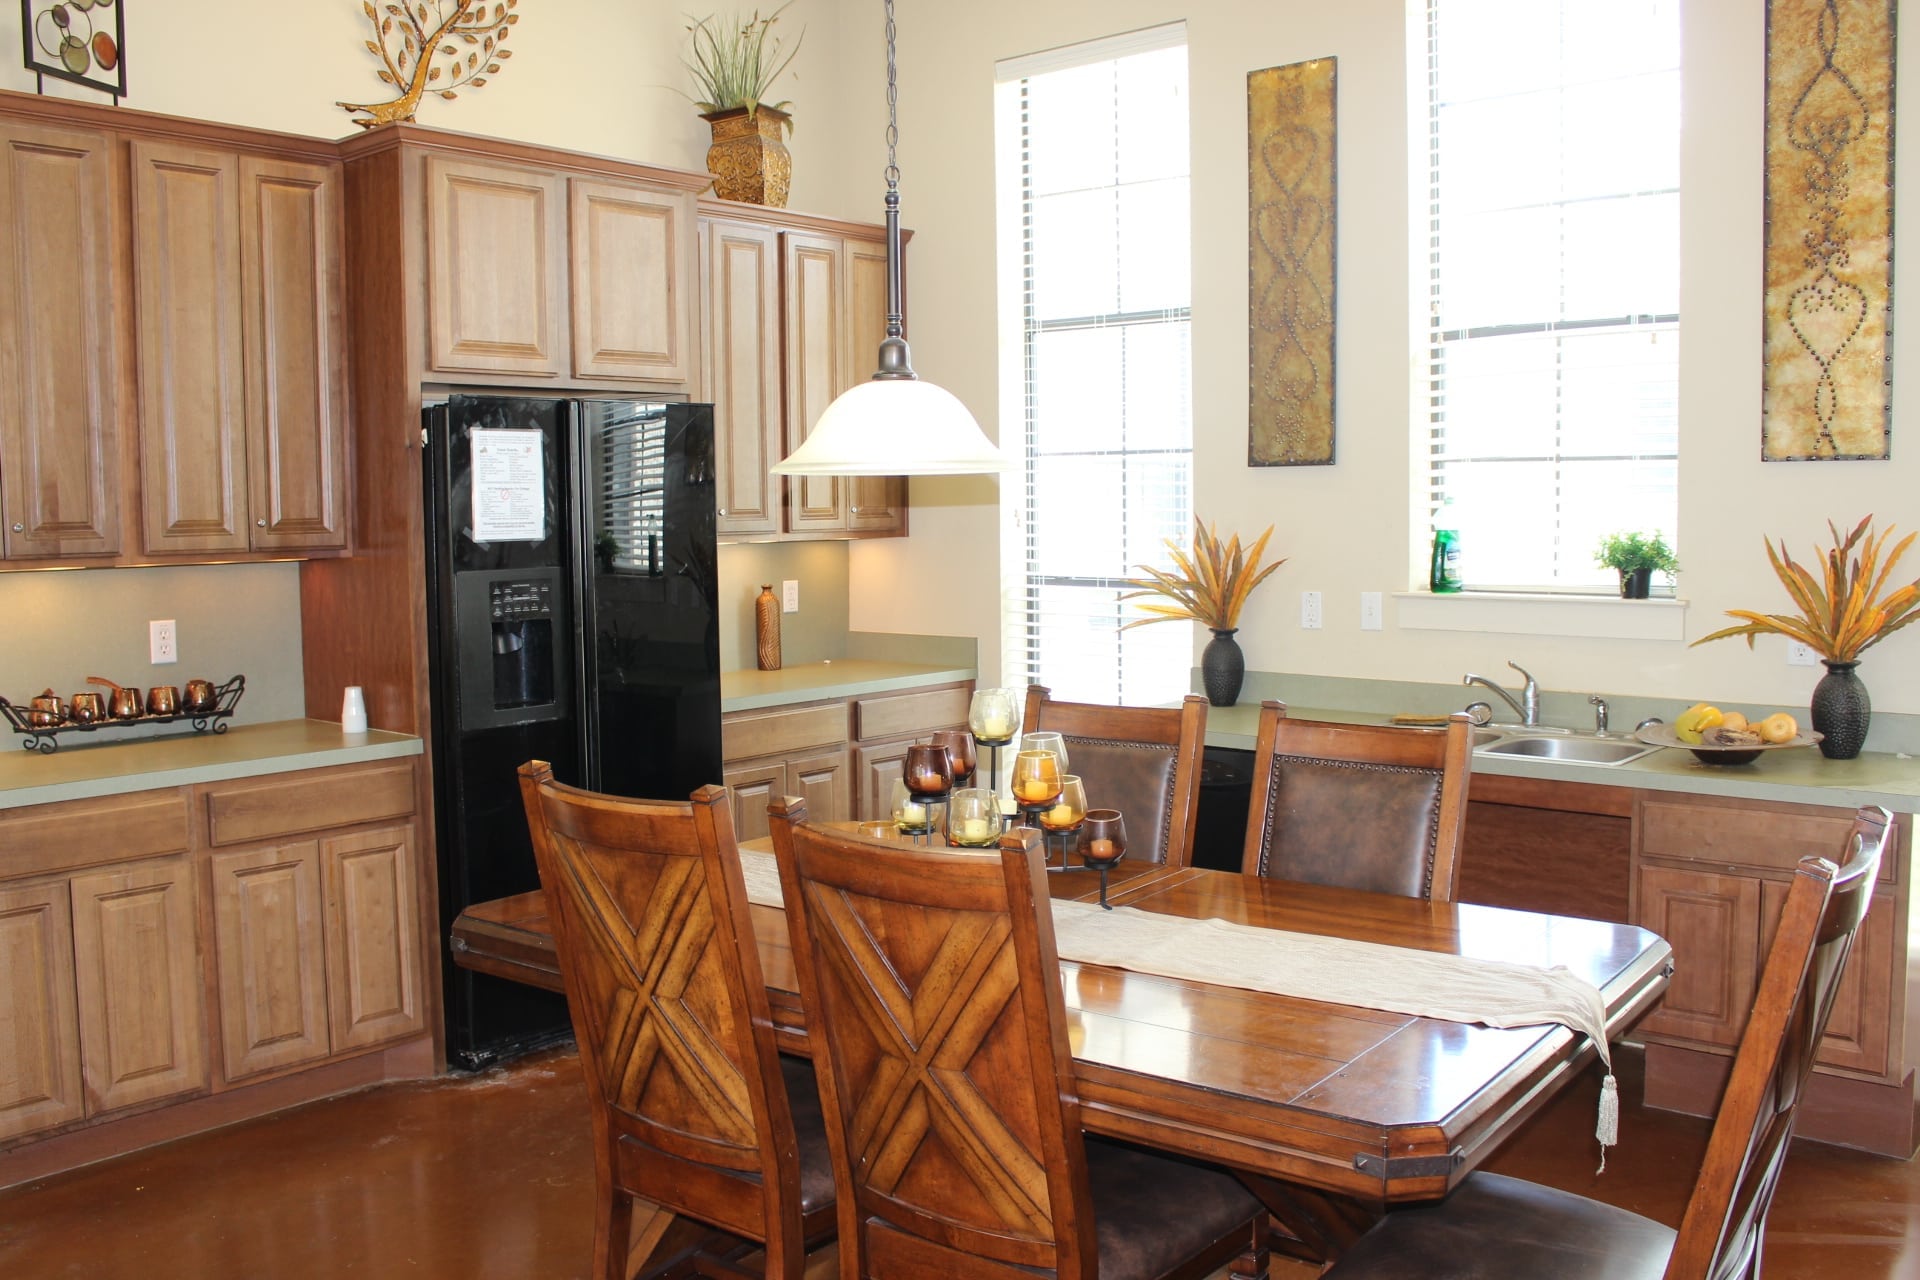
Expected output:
{"points": [[928, 774], [990, 717], [1102, 843], [959, 745], [1059, 822], [973, 818], [1037, 782], [916, 815]]}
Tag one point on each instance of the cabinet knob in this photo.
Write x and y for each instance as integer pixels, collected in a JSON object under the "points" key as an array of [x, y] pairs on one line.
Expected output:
{"points": [[262, 522], [722, 511], [18, 527]]}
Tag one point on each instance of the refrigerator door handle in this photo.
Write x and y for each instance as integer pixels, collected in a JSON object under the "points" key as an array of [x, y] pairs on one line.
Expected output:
{"points": [[580, 496]]}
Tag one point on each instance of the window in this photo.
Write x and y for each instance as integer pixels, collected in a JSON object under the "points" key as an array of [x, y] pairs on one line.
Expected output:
{"points": [[1095, 222], [1555, 283]]}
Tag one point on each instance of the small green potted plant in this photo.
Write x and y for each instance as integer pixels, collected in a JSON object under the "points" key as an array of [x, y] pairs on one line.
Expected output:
{"points": [[1636, 557], [734, 63]]}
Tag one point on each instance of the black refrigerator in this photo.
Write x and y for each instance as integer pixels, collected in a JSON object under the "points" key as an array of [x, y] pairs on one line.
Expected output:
{"points": [[571, 604]]}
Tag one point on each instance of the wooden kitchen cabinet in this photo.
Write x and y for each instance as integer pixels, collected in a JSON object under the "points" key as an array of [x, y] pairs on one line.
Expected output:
{"points": [[496, 267], [138, 981], [815, 301], [59, 428], [740, 274], [374, 988], [885, 726], [271, 975], [786, 751], [875, 504], [40, 1054], [631, 274]]}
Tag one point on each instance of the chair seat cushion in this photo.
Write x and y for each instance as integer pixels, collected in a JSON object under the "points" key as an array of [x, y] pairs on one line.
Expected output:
{"points": [[810, 1132], [1499, 1228], [1153, 1212]]}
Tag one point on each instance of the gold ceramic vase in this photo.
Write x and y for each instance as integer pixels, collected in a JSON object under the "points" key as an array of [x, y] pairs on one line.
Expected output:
{"points": [[749, 160], [766, 628]]}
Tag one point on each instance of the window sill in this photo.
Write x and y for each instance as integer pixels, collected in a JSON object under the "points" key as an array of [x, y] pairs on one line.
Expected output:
{"points": [[1600, 617]]}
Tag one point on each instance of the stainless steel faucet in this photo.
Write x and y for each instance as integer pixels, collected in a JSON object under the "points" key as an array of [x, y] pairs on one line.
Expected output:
{"points": [[1599, 714], [1527, 706]]}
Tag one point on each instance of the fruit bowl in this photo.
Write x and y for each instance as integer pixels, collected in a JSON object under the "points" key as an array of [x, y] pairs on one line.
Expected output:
{"points": [[1662, 735]]}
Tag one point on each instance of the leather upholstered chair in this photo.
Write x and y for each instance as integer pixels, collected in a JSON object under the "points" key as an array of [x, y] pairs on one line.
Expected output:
{"points": [[692, 1107], [1144, 761], [939, 1033], [1500, 1228], [1358, 806]]}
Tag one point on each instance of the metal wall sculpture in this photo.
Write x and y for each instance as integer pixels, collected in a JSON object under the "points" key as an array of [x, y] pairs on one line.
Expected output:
{"points": [[1829, 218], [84, 41], [1290, 249]]}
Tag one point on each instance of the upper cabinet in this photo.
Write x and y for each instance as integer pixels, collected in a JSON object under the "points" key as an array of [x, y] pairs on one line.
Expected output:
{"points": [[631, 273], [59, 428], [241, 375], [740, 273], [496, 239]]}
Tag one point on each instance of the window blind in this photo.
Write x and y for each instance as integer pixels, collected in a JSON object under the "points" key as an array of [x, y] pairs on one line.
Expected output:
{"points": [[633, 481], [1554, 329], [1095, 151]]}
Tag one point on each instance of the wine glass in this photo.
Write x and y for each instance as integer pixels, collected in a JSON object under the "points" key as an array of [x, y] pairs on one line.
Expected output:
{"points": [[912, 815], [973, 821], [1036, 779], [1044, 740], [1066, 815], [1103, 842], [959, 745]]}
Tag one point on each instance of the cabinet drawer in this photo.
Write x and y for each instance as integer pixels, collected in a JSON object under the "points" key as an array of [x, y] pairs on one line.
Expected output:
{"points": [[238, 813], [774, 733], [82, 833], [900, 713], [1750, 835]]}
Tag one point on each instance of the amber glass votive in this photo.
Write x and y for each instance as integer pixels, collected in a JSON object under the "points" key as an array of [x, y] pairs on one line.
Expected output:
{"points": [[959, 745], [1103, 837], [1069, 811], [1043, 740], [1036, 778], [929, 770]]}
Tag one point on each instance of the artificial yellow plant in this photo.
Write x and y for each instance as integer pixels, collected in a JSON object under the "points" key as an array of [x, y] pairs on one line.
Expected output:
{"points": [[1209, 586], [1842, 612]]}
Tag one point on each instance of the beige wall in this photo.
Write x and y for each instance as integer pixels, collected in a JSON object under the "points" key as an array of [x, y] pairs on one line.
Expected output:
{"points": [[1349, 527]]}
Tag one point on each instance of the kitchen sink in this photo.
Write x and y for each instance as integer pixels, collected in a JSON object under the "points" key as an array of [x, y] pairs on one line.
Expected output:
{"points": [[1569, 749]]}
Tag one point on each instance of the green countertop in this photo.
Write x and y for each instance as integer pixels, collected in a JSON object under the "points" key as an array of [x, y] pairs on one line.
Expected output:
{"points": [[81, 772], [1801, 776], [836, 678]]}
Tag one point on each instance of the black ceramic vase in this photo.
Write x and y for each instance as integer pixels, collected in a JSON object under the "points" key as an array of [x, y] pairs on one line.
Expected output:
{"points": [[1635, 583], [1222, 667], [1841, 711]]}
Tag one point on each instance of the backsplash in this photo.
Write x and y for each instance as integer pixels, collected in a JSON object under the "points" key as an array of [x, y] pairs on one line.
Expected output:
{"points": [[818, 631], [239, 619]]}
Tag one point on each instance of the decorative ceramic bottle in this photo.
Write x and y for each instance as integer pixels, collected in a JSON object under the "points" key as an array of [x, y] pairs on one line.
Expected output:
{"points": [[766, 628]]}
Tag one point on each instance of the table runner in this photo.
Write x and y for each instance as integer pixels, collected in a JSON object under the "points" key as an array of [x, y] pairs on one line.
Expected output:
{"points": [[1367, 975]]}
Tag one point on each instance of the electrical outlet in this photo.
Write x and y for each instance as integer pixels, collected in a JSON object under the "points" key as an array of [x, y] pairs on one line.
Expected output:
{"points": [[1310, 610], [163, 643], [789, 596], [1370, 619], [1801, 655]]}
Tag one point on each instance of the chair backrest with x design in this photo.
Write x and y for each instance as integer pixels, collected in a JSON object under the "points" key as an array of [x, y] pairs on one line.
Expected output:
{"points": [[938, 1030], [650, 922]]}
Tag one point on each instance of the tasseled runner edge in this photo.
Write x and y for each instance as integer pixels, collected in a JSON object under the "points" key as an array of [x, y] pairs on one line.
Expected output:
{"points": [[1608, 1128]]}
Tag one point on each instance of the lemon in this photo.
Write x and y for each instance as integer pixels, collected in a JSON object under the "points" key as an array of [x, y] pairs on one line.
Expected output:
{"points": [[1695, 721]]}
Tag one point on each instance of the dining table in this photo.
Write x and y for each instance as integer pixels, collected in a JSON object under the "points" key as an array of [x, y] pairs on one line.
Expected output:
{"points": [[1329, 1111]]}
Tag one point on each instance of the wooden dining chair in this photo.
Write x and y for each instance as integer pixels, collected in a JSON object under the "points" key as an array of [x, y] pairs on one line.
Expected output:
{"points": [[1358, 806], [939, 1033], [1144, 761], [692, 1108], [1500, 1228]]}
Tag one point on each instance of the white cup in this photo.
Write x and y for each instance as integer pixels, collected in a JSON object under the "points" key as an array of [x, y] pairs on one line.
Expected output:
{"points": [[353, 711]]}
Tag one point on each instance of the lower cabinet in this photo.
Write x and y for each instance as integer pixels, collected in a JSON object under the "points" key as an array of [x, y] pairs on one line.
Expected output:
{"points": [[40, 1056], [821, 778]]}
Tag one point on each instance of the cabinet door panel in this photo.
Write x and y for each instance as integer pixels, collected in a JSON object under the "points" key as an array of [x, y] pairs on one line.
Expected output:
{"points": [[630, 282], [876, 504], [494, 267], [876, 768], [750, 788], [40, 1054], [139, 980], [59, 435], [824, 781], [743, 373], [1713, 923], [267, 952], [815, 301], [187, 288], [373, 952], [290, 253], [1857, 1032]]}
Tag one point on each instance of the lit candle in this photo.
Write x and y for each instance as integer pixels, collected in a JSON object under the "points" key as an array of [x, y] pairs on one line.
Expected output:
{"points": [[1100, 848], [912, 814], [975, 829], [995, 724], [1061, 815], [1034, 790]]}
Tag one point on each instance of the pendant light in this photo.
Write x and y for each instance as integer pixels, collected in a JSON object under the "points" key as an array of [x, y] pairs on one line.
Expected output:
{"points": [[895, 424]]}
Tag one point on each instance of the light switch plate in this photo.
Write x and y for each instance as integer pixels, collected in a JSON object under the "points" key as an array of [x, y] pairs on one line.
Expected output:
{"points": [[790, 596], [163, 642], [1310, 610], [1370, 606]]}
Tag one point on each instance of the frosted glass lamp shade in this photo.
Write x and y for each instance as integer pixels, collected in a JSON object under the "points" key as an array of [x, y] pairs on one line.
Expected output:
{"points": [[894, 427]]}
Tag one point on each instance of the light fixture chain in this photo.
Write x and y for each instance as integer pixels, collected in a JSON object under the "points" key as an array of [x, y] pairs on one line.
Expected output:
{"points": [[893, 106]]}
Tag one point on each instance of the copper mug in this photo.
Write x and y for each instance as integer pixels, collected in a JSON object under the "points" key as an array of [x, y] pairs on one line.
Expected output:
{"points": [[46, 710], [162, 700], [197, 697], [86, 708], [124, 702]]}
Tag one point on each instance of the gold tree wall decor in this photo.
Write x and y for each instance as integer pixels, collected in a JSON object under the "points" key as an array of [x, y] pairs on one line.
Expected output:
{"points": [[1829, 221], [1290, 243], [434, 47]]}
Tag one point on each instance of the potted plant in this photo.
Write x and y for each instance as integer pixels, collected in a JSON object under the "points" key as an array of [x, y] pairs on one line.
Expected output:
{"points": [[733, 67], [1208, 587], [1636, 557], [1842, 614]]}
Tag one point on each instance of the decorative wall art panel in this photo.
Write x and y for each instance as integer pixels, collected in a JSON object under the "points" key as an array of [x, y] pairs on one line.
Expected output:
{"points": [[84, 41], [1829, 216], [1290, 244]]}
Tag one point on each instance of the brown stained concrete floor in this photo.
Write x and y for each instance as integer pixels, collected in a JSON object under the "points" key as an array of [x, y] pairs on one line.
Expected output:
{"points": [[489, 1177]]}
